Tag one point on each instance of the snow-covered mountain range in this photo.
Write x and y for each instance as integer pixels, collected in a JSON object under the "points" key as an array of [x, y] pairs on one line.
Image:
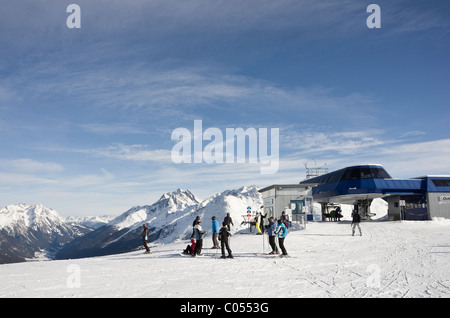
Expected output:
{"points": [[26, 229], [169, 219]]}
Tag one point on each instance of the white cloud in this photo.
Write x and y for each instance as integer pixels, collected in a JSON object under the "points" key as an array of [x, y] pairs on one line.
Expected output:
{"points": [[127, 152], [400, 157], [21, 180], [89, 180], [417, 159], [333, 143], [112, 129], [32, 166]]}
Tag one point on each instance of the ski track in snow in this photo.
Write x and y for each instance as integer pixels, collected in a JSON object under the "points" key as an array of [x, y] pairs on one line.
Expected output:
{"points": [[391, 259]]}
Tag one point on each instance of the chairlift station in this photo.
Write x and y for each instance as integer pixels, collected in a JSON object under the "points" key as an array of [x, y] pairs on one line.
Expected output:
{"points": [[421, 198]]}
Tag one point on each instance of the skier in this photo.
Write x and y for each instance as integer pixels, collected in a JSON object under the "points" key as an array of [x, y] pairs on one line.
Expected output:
{"points": [[190, 248], [271, 232], [261, 225], [224, 235], [258, 219], [198, 236], [197, 218], [145, 235], [285, 219], [215, 232], [356, 218], [281, 231], [228, 220]]}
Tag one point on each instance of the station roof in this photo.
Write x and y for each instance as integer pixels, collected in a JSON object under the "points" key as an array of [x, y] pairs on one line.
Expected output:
{"points": [[288, 186], [371, 181]]}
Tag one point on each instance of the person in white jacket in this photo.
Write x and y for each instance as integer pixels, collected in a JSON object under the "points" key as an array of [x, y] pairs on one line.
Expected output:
{"points": [[198, 236]]}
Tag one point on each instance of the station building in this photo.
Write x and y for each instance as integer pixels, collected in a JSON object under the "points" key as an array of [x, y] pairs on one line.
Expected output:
{"points": [[293, 199], [421, 198]]}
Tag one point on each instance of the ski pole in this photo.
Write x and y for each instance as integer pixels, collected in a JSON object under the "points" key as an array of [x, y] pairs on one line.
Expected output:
{"points": [[264, 238], [276, 245]]}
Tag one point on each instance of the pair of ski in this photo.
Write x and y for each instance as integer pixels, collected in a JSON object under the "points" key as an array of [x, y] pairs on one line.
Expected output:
{"points": [[211, 255], [271, 255]]}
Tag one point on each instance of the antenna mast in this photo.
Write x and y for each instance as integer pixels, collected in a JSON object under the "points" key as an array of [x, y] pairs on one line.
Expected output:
{"points": [[315, 171]]}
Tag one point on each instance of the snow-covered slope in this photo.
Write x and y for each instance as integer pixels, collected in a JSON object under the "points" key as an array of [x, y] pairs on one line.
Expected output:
{"points": [[391, 259], [26, 229], [169, 219]]}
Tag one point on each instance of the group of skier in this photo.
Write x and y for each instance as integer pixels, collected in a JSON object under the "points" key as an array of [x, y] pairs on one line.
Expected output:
{"points": [[221, 234], [274, 229]]}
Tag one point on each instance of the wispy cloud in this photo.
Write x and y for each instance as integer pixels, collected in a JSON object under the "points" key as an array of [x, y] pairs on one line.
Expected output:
{"points": [[31, 166], [404, 157], [406, 18], [122, 152], [112, 129], [333, 143]]}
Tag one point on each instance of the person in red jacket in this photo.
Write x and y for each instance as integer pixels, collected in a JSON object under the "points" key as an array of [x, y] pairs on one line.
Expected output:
{"points": [[145, 235]]}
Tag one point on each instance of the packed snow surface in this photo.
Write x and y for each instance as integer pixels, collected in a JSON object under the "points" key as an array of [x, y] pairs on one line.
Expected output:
{"points": [[390, 259]]}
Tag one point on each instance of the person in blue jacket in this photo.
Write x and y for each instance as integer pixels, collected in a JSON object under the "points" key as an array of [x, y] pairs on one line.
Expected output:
{"points": [[271, 232], [281, 231], [215, 232]]}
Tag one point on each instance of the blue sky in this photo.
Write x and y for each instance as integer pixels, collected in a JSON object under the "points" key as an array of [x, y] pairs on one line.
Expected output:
{"points": [[87, 114]]}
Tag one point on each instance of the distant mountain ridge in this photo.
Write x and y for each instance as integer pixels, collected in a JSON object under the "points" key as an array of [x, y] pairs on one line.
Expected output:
{"points": [[27, 229], [92, 222]]}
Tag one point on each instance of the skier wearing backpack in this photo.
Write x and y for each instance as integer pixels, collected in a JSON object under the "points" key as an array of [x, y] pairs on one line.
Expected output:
{"points": [[145, 235], [224, 235], [281, 231]]}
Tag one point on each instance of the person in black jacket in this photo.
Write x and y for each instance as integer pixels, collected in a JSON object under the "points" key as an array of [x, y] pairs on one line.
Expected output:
{"points": [[338, 213], [145, 235], [356, 218], [261, 226], [271, 228], [228, 220], [224, 235]]}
